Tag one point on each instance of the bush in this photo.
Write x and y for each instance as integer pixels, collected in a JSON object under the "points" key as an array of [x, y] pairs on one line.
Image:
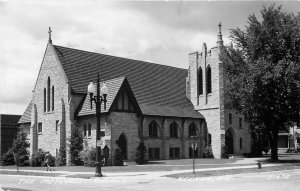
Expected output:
{"points": [[141, 154], [8, 158], [76, 145], [61, 158], [88, 156], [19, 149], [38, 158], [208, 152], [118, 157], [224, 152]]}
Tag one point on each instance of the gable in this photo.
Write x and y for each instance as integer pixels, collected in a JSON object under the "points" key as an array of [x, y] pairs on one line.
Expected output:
{"points": [[114, 87], [125, 100]]}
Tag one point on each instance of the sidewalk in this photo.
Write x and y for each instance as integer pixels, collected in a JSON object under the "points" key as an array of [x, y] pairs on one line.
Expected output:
{"points": [[147, 175]]}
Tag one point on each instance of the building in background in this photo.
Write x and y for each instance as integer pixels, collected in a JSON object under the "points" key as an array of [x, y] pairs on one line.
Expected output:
{"points": [[8, 131]]}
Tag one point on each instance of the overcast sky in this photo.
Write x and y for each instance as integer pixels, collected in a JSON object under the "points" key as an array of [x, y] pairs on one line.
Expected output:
{"points": [[159, 32]]}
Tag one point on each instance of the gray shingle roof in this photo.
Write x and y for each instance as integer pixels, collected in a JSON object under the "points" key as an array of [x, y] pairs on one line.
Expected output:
{"points": [[158, 89], [113, 88]]}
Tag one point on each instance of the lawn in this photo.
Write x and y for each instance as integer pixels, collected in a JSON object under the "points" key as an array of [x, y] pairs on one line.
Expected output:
{"points": [[233, 171], [162, 165]]}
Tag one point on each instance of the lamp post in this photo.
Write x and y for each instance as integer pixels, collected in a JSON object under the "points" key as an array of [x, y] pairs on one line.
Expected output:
{"points": [[98, 99], [194, 145]]}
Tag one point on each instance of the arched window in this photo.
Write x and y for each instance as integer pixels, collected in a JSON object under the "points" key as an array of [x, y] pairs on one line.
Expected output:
{"points": [[153, 129], [84, 130], [192, 130], [208, 80], [45, 100], [52, 98], [89, 130], [48, 94], [174, 129], [241, 142], [200, 81], [209, 139]]}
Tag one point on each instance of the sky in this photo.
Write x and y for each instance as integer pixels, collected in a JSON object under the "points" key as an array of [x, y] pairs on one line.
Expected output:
{"points": [[163, 32]]}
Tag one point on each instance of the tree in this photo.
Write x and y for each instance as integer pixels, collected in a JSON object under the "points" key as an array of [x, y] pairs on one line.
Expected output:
{"points": [[19, 149], [75, 145], [141, 154], [263, 71]]}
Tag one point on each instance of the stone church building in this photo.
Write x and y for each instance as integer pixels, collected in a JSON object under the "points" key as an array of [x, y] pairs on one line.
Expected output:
{"points": [[164, 107]]}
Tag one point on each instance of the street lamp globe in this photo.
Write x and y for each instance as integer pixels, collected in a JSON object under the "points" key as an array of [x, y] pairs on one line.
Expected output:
{"points": [[91, 88], [104, 90]]}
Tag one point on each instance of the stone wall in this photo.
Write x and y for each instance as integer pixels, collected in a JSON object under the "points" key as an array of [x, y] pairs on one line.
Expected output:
{"points": [[49, 139], [239, 132]]}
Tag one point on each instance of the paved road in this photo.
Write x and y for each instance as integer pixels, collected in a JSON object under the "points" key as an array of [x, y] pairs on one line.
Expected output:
{"points": [[283, 180]]}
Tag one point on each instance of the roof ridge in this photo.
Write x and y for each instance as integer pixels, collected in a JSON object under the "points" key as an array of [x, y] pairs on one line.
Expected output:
{"points": [[120, 57]]}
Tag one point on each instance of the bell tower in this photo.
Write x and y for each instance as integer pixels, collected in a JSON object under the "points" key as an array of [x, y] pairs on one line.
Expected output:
{"points": [[206, 83]]}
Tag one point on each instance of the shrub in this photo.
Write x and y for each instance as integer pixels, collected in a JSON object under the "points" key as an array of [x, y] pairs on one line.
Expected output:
{"points": [[224, 152], [76, 145], [208, 152], [19, 149], [61, 158], [88, 156], [8, 158], [141, 154], [118, 157], [38, 158]]}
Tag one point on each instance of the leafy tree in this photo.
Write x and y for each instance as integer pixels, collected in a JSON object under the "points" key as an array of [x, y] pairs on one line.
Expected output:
{"points": [[19, 149], [141, 154], [263, 71], [75, 145]]}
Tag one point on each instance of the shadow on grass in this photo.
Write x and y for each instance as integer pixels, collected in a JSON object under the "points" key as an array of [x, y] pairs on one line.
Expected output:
{"points": [[282, 161]]}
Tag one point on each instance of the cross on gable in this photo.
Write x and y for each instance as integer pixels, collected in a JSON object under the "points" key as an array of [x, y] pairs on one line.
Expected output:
{"points": [[50, 31]]}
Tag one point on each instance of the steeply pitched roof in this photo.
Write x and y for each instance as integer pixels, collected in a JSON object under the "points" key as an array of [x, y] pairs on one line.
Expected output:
{"points": [[114, 86], [26, 117], [9, 120], [159, 89]]}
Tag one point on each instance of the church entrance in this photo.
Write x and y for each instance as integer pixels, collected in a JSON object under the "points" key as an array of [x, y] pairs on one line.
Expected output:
{"points": [[229, 141], [122, 143]]}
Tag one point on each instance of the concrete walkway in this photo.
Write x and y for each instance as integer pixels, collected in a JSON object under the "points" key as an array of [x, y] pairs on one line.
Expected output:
{"points": [[143, 175]]}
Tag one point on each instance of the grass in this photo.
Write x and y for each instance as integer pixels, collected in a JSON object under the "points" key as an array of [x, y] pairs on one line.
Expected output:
{"points": [[162, 165], [233, 171]]}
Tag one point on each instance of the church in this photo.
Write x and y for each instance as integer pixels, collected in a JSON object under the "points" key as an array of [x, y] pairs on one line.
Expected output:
{"points": [[166, 108]]}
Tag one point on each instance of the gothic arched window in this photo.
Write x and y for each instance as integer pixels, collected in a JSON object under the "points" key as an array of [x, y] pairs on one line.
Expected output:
{"points": [[192, 130], [208, 80], [153, 129], [89, 130], [241, 142], [45, 100], [200, 81], [174, 129], [52, 98], [48, 94], [84, 130]]}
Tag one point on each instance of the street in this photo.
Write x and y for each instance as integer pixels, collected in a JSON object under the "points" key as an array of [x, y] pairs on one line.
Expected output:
{"points": [[279, 180]]}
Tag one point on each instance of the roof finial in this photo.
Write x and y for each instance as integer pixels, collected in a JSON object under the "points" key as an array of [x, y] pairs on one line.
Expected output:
{"points": [[220, 40], [50, 31]]}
